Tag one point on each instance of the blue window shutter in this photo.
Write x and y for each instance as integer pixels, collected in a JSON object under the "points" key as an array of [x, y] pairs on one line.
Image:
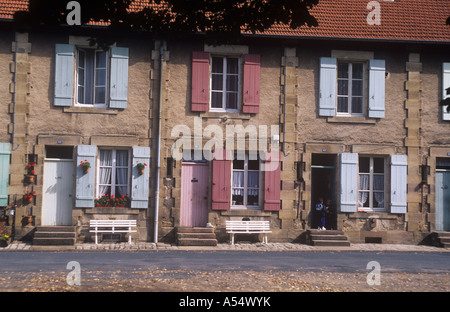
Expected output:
{"points": [[377, 77], [399, 167], [140, 182], [327, 93], [5, 152], [64, 73], [349, 178], [119, 78], [85, 184], [445, 85]]}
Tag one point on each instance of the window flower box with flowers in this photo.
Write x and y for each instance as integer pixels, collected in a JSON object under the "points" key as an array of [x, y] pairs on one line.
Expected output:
{"points": [[111, 201]]}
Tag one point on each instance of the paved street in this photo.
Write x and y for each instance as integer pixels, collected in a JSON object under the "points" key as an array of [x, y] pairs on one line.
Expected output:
{"points": [[261, 268]]}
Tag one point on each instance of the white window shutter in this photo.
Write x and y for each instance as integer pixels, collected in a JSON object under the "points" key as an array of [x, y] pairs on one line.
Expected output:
{"points": [[118, 88], [327, 92], [399, 168], [445, 85], [377, 77], [140, 182], [85, 183], [5, 153], [348, 183], [64, 73]]}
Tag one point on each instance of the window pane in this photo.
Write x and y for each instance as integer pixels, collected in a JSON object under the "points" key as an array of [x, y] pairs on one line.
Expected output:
{"points": [[342, 87], [357, 105], [217, 65], [342, 105], [357, 71], [378, 200], [363, 199], [81, 95], [232, 83], [237, 199], [101, 59], [100, 77], [216, 99], [81, 56], [232, 65], [378, 182], [231, 100], [364, 164], [238, 181], [253, 165], [253, 179], [357, 87], [100, 95], [238, 164], [343, 70], [378, 165], [252, 198], [217, 82]]}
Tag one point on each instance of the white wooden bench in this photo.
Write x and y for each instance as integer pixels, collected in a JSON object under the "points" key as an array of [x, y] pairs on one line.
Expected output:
{"points": [[248, 227], [112, 227]]}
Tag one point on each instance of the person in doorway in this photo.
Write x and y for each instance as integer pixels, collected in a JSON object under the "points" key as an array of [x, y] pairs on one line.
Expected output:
{"points": [[329, 213], [320, 213]]}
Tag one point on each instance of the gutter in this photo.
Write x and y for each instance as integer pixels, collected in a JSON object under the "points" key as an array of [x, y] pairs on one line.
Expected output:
{"points": [[158, 147]]}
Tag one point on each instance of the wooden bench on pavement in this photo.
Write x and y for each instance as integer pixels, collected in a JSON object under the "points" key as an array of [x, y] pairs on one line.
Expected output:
{"points": [[248, 227], [112, 227]]}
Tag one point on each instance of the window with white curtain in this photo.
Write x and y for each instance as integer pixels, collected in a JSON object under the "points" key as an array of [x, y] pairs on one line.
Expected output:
{"points": [[113, 172], [246, 182], [371, 194]]}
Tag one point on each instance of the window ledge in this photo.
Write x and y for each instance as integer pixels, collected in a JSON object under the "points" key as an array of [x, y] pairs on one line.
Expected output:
{"points": [[90, 110], [354, 120], [246, 212], [225, 115], [111, 210]]}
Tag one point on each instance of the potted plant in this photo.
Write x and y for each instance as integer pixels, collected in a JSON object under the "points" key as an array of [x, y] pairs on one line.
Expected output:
{"points": [[31, 172], [85, 165], [141, 167], [4, 239], [28, 197]]}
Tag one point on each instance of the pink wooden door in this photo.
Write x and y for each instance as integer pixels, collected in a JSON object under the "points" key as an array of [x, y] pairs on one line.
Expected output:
{"points": [[194, 194]]}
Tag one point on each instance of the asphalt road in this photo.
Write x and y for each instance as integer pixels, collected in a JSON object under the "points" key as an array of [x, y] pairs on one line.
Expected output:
{"points": [[339, 262]]}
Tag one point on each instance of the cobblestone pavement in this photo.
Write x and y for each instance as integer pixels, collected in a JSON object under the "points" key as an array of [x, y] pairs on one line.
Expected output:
{"points": [[19, 246]]}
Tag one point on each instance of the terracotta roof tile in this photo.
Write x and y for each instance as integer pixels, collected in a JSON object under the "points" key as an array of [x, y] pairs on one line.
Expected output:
{"points": [[410, 20]]}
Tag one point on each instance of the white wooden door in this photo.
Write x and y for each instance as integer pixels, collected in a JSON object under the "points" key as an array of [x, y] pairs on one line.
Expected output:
{"points": [[194, 195], [58, 192], [443, 200]]}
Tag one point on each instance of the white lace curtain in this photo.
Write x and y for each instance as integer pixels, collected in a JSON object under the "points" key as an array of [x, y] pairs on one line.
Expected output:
{"points": [[238, 183], [106, 166], [378, 185]]}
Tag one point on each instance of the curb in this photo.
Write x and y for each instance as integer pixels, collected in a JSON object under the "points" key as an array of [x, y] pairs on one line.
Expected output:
{"points": [[17, 246]]}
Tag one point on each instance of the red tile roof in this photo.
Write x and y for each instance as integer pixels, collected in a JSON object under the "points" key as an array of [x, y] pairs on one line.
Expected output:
{"points": [[409, 20]]}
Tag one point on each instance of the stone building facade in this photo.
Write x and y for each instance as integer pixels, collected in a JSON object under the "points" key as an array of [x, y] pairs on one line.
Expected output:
{"points": [[356, 120]]}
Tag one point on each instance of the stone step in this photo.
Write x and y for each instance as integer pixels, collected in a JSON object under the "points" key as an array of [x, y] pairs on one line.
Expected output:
{"points": [[53, 241], [343, 243], [40, 234], [195, 230], [196, 242], [57, 228], [196, 235], [326, 232], [328, 237]]}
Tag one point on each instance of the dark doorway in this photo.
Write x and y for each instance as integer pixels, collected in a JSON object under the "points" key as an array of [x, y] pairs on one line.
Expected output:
{"points": [[323, 185]]}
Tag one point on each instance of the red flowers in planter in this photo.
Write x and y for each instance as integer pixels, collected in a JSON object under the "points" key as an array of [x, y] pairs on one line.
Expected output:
{"points": [[111, 201], [28, 197], [141, 167]]}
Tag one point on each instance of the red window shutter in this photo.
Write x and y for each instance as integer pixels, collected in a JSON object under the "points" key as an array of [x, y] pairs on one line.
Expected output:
{"points": [[221, 181], [200, 82], [252, 64], [272, 179]]}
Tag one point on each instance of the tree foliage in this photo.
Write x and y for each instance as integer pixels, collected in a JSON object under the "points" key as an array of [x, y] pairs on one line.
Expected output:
{"points": [[227, 18]]}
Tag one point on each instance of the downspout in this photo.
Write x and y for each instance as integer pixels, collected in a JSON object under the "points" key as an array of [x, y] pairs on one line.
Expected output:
{"points": [[158, 147], [284, 110]]}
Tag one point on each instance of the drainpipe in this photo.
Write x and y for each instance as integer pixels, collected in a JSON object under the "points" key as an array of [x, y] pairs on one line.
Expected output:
{"points": [[158, 147], [284, 108]]}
